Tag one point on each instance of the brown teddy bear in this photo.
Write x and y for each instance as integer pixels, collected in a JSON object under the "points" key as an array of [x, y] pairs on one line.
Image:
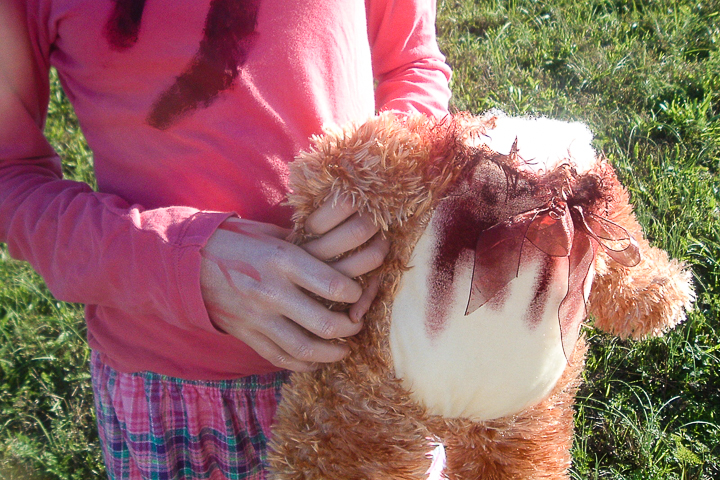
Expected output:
{"points": [[505, 233]]}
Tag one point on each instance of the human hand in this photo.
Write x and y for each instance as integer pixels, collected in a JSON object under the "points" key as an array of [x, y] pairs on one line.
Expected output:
{"points": [[339, 237], [254, 284]]}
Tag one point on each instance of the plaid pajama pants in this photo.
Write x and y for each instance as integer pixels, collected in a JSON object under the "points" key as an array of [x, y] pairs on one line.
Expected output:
{"points": [[154, 427]]}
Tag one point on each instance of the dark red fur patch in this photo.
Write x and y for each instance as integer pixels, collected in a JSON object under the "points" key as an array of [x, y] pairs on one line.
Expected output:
{"points": [[492, 192], [459, 220], [543, 281]]}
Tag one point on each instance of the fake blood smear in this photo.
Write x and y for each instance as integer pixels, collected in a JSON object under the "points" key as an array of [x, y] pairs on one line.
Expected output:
{"points": [[123, 27], [479, 203], [542, 292], [459, 220], [228, 38]]}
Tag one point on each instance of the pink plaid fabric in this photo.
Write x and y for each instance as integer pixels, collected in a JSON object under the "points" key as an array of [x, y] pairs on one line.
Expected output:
{"points": [[154, 427]]}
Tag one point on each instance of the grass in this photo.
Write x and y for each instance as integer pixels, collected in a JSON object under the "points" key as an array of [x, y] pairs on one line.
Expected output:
{"points": [[47, 424], [645, 75]]}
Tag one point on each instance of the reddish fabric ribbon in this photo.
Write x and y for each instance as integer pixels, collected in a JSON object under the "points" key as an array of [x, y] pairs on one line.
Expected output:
{"points": [[557, 230]]}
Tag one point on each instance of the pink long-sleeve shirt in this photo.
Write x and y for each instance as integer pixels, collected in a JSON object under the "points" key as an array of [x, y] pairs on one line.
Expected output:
{"points": [[193, 110]]}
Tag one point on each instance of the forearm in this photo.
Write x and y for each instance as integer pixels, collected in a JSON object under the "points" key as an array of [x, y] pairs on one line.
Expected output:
{"points": [[409, 68], [89, 247]]}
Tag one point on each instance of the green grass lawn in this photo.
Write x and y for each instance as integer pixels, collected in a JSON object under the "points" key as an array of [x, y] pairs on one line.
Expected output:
{"points": [[645, 75]]}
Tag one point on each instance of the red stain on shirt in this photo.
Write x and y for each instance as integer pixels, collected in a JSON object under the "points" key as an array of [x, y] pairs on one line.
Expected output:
{"points": [[228, 38], [123, 27]]}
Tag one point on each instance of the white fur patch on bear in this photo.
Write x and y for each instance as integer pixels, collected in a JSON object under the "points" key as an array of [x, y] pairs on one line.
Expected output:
{"points": [[486, 365], [542, 142]]}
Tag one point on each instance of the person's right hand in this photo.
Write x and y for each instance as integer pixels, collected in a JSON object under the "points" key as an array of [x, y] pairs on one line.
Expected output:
{"points": [[255, 285]]}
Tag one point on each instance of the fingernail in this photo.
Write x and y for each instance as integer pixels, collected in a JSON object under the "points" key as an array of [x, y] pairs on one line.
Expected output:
{"points": [[357, 315]]}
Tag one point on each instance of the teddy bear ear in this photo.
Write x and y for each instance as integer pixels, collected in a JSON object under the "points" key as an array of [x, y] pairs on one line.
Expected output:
{"points": [[644, 300]]}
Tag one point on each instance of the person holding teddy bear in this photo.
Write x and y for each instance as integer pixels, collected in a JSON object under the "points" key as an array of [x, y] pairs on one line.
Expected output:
{"points": [[196, 305]]}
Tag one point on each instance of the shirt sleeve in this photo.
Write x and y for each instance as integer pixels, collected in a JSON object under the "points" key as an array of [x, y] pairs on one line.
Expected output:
{"points": [[90, 247], [409, 69]]}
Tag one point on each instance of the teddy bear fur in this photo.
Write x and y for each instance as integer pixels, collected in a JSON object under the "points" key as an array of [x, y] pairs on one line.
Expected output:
{"points": [[353, 419]]}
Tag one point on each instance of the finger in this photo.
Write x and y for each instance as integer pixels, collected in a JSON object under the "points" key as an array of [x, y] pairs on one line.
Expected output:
{"points": [[357, 230], [316, 318], [365, 260], [302, 345], [361, 307], [329, 215], [321, 279], [271, 352], [303, 334], [252, 336]]}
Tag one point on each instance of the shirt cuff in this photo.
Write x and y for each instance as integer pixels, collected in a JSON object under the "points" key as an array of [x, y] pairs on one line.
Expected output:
{"points": [[198, 230]]}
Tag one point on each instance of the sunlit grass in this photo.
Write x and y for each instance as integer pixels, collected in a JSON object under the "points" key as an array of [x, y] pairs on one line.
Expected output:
{"points": [[645, 75]]}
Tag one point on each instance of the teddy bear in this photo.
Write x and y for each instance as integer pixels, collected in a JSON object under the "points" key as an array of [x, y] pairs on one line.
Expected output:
{"points": [[506, 234]]}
